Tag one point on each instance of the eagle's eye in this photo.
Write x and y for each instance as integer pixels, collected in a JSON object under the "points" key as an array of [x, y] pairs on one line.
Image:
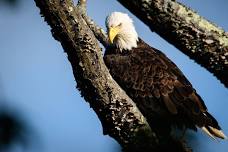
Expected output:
{"points": [[119, 25]]}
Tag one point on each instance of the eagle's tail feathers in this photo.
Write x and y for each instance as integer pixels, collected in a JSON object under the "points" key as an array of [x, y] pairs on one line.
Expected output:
{"points": [[214, 132]]}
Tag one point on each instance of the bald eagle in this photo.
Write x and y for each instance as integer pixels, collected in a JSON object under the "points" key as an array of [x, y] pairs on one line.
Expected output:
{"points": [[157, 86]]}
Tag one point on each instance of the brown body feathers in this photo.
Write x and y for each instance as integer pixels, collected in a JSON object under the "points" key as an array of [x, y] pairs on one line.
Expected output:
{"points": [[160, 90]]}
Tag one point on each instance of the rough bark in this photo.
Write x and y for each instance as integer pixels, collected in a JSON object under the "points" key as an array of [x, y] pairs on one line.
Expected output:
{"points": [[98, 31], [201, 40], [120, 117]]}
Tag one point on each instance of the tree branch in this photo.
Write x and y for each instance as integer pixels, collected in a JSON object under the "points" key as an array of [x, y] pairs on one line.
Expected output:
{"points": [[120, 117], [201, 40], [98, 31]]}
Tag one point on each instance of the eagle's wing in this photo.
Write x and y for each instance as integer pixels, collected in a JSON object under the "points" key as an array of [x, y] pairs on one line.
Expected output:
{"points": [[146, 74]]}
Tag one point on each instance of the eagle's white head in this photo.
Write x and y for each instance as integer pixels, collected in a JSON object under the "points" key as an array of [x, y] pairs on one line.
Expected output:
{"points": [[121, 31]]}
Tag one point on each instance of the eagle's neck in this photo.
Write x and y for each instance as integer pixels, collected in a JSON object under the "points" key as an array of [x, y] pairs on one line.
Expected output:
{"points": [[125, 42], [112, 49], [127, 38]]}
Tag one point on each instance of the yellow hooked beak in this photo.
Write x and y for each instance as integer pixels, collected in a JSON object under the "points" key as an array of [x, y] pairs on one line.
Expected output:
{"points": [[113, 31]]}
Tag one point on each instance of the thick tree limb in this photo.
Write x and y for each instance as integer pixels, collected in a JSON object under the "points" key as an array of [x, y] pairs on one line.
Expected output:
{"points": [[98, 31], [120, 117], [204, 42]]}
